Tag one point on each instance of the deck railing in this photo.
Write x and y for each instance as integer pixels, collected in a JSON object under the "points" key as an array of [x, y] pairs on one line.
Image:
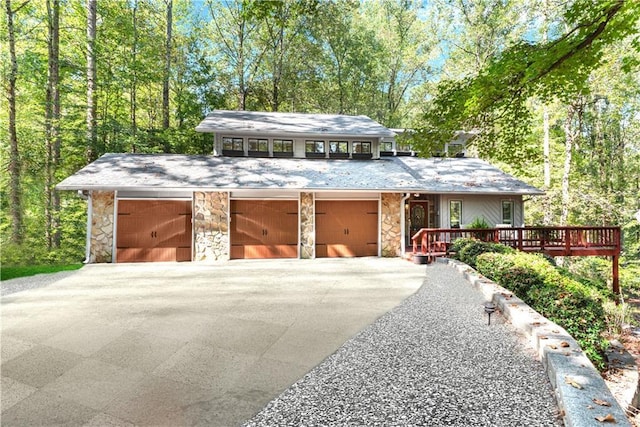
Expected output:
{"points": [[554, 241]]}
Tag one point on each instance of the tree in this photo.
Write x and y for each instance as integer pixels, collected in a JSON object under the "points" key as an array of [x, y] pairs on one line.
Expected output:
{"points": [[167, 67], [14, 156], [92, 135], [495, 101], [52, 125]]}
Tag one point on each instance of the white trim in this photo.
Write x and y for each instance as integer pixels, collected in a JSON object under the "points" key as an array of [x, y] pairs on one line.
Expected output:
{"points": [[115, 228], [87, 250], [403, 219]]}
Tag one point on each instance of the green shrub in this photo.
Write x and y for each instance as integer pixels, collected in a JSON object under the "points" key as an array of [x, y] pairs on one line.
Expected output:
{"points": [[478, 223], [467, 250], [567, 302]]}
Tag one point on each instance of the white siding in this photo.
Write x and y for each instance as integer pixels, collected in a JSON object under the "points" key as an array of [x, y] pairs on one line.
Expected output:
{"points": [[488, 207]]}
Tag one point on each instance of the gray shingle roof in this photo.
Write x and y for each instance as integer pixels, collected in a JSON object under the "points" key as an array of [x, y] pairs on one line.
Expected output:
{"points": [[266, 123], [137, 172]]}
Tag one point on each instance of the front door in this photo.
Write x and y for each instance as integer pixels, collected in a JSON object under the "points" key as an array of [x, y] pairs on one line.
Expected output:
{"points": [[418, 216]]}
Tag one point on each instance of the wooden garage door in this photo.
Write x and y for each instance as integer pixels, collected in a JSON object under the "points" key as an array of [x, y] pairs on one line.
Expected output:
{"points": [[346, 228], [264, 229], [153, 230]]}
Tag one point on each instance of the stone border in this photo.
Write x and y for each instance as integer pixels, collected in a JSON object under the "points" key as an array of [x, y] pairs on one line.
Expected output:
{"points": [[577, 383]]}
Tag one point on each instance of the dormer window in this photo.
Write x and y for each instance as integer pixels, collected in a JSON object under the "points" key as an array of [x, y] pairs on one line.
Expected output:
{"points": [[339, 149], [232, 146], [282, 148], [258, 147], [314, 149], [362, 150]]}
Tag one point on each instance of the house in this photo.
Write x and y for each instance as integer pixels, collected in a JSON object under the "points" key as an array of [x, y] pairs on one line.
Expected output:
{"points": [[284, 185]]}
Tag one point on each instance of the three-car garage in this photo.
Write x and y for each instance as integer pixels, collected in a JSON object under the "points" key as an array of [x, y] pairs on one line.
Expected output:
{"points": [[162, 230]]}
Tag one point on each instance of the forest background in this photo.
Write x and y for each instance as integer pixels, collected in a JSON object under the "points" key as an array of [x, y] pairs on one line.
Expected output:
{"points": [[552, 86]]}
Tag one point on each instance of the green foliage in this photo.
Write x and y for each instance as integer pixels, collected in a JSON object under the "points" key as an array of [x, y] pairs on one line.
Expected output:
{"points": [[495, 101], [467, 250], [478, 223], [7, 273], [574, 306]]}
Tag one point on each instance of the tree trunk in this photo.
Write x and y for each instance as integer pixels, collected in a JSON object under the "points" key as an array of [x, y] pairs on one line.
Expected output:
{"points": [[167, 68], [547, 166], [52, 125], [545, 126], [92, 134], [15, 196], [134, 78], [571, 133]]}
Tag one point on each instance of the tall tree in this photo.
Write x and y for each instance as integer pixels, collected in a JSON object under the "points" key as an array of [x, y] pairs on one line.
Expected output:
{"points": [[92, 135], [52, 125], [14, 156], [496, 101], [167, 66]]}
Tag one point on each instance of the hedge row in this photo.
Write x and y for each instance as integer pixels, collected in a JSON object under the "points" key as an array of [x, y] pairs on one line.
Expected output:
{"points": [[570, 304], [467, 249]]}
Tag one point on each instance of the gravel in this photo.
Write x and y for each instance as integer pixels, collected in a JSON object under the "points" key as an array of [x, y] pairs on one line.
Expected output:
{"points": [[433, 360], [20, 284]]}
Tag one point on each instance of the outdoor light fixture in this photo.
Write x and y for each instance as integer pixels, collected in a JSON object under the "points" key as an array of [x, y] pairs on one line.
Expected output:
{"points": [[489, 308]]}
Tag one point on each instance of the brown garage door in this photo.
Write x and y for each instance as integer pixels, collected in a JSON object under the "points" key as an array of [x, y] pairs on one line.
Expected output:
{"points": [[153, 230], [346, 228], [264, 229]]}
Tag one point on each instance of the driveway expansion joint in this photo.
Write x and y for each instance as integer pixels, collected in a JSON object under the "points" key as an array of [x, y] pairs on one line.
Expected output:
{"points": [[577, 384]]}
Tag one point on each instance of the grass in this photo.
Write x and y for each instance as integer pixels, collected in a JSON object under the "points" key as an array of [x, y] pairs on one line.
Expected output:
{"points": [[7, 273]]}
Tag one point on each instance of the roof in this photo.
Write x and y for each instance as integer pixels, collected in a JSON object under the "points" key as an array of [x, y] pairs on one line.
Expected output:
{"points": [[139, 172], [266, 123]]}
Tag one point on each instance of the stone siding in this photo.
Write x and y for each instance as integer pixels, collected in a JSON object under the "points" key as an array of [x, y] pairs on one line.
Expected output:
{"points": [[211, 225], [391, 237], [307, 226], [102, 211]]}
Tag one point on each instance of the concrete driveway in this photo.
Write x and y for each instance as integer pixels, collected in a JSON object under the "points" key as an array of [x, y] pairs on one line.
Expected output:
{"points": [[183, 344]]}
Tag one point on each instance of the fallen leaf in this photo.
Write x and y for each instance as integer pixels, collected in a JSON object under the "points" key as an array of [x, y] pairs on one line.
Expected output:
{"points": [[565, 344], [536, 324], [572, 383], [543, 337], [513, 304], [606, 419], [601, 402], [507, 296], [553, 346], [589, 407]]}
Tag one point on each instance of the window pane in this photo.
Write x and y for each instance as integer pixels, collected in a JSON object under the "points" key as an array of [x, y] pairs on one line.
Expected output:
{"points": [[507, 212], [338, 147], [236, 144], [455, 213], [314, 146], [258, 144], [362, 147], [387, 146]]}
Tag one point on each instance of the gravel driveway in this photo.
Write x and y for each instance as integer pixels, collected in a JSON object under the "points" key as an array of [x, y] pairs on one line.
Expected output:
{"points": [[432, 361]]}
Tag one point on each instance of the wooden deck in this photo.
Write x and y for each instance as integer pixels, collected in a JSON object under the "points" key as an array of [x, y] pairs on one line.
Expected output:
{"points": [[553, 241]]}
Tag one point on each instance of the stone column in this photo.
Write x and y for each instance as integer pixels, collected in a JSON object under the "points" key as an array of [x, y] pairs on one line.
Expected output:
{"points": [[102, 211], [307, 226], [211, 226], [390, 237]]}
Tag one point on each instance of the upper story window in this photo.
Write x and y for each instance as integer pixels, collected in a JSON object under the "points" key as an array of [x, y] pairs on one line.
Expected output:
{"points": [[507, 212], [256, 144], [233, 146], [455, 213], [282, 146], [338, 147], [362, 147], [403, 147], [314, 149]]}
